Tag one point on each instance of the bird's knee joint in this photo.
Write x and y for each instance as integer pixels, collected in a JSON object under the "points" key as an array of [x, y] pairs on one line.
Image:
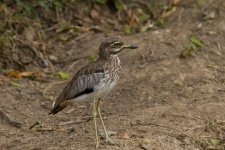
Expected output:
{"points": [[94, 113]]}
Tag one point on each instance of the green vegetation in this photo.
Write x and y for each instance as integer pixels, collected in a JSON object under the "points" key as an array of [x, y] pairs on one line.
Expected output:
{"points": [[25, 25], [195, 44], [14, 84], [63, 75]]}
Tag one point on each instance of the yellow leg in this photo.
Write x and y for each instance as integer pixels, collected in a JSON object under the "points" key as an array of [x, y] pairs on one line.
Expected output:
{"points": [[108, 140], [94, 113]]}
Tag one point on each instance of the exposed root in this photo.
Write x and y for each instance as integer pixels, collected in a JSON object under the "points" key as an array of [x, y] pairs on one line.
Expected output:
{"points": [[8, 119], [77, 121]]}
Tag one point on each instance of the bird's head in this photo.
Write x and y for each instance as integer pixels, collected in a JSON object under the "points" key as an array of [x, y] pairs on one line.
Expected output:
{"points": [[113, 46]]}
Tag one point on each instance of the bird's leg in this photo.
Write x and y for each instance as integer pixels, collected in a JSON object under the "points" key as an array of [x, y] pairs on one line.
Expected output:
{"points": [[94, 113], [108, 140]]}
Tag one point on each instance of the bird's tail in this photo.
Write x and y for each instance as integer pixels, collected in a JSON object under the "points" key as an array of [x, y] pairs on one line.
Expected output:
{"points": [[57, 108]]}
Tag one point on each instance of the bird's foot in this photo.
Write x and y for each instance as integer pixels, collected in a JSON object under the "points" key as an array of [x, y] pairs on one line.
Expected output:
{"points": [[97, 145], [107, 135], [110, 141]]}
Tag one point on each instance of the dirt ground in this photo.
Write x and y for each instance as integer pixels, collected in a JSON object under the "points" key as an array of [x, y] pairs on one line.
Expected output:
{"points": [[162, 102]]}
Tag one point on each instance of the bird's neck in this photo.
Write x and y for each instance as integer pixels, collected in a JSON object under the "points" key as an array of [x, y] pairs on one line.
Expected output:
{"points": [[112, 62], [110, 58], [114, 58]]}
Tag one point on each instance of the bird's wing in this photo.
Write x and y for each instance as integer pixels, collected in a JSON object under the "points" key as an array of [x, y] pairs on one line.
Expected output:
{"points": [[82, 83]]}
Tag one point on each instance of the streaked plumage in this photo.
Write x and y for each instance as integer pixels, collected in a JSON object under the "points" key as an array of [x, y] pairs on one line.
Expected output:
{"points": [[88, 81], [94, 80]]}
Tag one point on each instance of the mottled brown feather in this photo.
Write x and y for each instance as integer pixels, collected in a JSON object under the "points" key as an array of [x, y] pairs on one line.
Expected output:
{"points": [[106, 69], [74, 88]]}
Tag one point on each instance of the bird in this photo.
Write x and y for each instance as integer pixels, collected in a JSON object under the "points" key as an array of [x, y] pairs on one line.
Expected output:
{"points": [[94, 81]]}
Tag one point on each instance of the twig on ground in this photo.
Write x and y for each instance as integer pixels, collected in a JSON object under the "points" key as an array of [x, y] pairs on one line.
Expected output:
{"points": [[72, 65], [38, 54], [49, 87], [13, 59], [44, 129], [70, 60], [183, 116], [194, 128], [78, 120], [6, 117], [54, 27]]}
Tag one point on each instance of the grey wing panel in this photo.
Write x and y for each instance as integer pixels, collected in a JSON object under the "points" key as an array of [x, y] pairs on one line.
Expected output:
{"points": [[81, 85], [83, 82]]}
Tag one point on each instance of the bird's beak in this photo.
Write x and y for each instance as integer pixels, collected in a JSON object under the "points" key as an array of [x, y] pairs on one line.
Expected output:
{"points": [[125, 47], [130, 47]]}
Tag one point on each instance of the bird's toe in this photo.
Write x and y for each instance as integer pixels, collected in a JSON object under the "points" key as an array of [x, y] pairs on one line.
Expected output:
{"points": [[110, 141]]}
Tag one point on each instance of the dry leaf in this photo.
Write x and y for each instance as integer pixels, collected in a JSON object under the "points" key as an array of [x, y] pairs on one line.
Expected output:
{"points": [[30, 33], [126, 136], [167, 13], [18, 75], [175, 2], [123, 135], [3, 79], [94, 14]]}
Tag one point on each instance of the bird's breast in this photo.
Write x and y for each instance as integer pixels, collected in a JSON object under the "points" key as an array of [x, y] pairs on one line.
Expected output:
{"points": [[111, 77]]}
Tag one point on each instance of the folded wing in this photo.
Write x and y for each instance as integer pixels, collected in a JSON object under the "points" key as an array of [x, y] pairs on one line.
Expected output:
{"points": [[83, 82]]}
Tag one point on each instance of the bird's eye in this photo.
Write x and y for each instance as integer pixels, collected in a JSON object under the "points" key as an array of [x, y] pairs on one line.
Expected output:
{"points": [[115, 45]]}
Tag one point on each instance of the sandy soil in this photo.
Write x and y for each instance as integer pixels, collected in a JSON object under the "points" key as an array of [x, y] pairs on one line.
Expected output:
{"points": [[162, 102]]}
